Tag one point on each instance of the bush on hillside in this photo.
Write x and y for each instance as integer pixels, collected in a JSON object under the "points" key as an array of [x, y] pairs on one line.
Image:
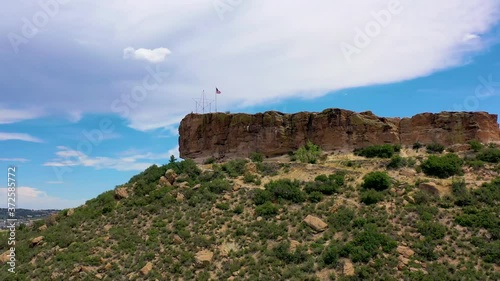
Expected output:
{"points": [[381, 151], [475, 145], [490, 155], [267, 209], [442, 166], [326, 184], [378, 181], [371, 196], [256, 157], [235, 168], [417, 146], [217, 186], [286, 189], [397, 162], [309, 153], [435, 148]]}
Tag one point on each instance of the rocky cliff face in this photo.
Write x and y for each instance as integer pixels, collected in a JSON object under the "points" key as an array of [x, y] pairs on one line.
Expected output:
{"points": [[273, 133]]}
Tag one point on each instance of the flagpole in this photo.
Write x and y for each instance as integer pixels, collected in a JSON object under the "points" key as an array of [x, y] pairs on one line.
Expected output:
{"points": [[216, 101]]}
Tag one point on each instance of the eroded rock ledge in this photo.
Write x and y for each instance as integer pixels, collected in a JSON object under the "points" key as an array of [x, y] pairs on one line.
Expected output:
{"points": [[272, 133]]}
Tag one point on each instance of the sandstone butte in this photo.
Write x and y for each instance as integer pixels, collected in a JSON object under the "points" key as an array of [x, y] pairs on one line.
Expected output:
{"points": [[272, 133]]}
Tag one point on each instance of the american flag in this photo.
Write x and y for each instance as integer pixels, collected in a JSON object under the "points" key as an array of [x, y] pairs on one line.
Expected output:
{"points": [[217, 91]]}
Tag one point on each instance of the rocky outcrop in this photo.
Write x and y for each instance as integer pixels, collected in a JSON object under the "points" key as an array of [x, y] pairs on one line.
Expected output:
{"points": [[203, 258], [272, 133], [315, 223]]}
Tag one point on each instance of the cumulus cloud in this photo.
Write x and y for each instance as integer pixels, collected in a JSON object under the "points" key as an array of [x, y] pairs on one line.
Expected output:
{"points": [[33, 198], [66, 157], [153, 56], [263, 51], [19, 137]]}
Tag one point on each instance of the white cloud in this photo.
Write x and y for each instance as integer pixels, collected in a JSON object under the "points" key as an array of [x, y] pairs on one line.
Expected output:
{"points": [[18, 136], [33, 198], [8, 116], [153, 56], [67, 157], [22, 160], [263, 51], [174, 152], [470, 36]]}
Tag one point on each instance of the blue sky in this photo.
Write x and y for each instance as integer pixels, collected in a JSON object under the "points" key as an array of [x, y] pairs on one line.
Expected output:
{"points": [[92, 92]]}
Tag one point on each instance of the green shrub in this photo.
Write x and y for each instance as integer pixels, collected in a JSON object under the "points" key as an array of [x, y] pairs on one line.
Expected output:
{"points": [[282, 252], [442, 166], [267, 209], [210, 160], [382, 151], [397, 162], [261, 196], [249, 178], [222, 206], [417, 146], [490, 155], [367, 244], [331, 254], [326, 184], [461, 193], [435, 148], [286, 189], [476, 164], [256, 157], [270, 230], [342, 219], [376, 180], [432, 230], [268, 169], [217, 186], [309, 153], [235, 168], [239, 209], [371, 196], [476, 145], [315, 196]]}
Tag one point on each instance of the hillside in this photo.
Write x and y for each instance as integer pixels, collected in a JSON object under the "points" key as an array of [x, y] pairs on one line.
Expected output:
{"points": [[381, 213]]}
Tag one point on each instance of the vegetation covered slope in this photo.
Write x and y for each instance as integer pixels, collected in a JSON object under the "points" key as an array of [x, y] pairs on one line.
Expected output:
{"points": [[346, 217]]}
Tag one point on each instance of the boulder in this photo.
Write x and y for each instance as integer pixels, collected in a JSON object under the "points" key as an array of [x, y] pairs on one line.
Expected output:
{"points": [[203, 258], [42, 228], [315, 223], [180, 197], [348, 268], [294, 244], [70, 212], [177, 239], [147, 268], [5, 257], [164, 182], [430, 187], [36, 241], [121, 193], [405, 251], [171, 176]]}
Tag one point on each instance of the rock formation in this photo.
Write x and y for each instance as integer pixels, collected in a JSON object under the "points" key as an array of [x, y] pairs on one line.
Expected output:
{"points": [[272, 133]]}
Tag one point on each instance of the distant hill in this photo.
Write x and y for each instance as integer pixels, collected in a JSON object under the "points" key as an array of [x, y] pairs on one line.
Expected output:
{"points": [[381, 213], [27, 213]]}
